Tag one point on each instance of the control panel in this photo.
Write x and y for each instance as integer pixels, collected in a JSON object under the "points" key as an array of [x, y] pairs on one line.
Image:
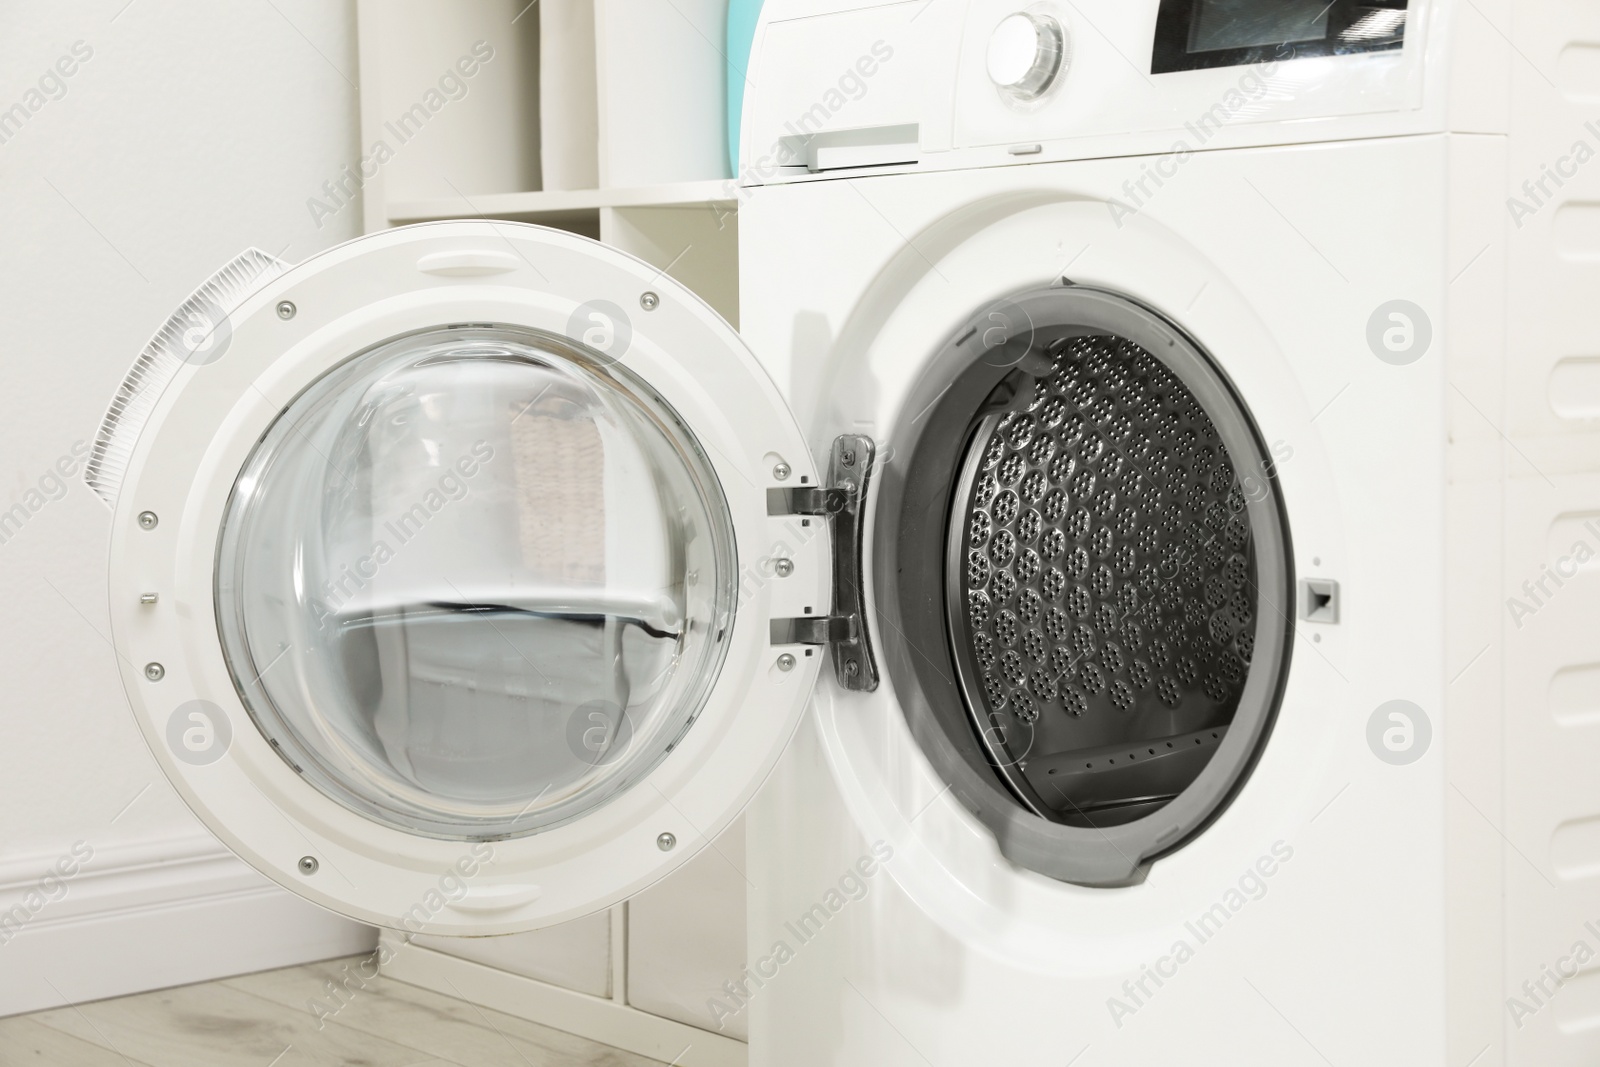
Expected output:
{"points": [[850, 85]]}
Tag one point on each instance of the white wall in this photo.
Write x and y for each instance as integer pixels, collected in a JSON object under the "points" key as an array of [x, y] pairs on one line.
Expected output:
{"points": [[192, 131]]}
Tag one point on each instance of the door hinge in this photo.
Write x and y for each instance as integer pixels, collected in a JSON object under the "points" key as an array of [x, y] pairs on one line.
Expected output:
{"points": [[842, 500]]}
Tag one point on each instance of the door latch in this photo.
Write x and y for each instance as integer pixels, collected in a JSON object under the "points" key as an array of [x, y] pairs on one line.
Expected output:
{"points": [[841, 500]]}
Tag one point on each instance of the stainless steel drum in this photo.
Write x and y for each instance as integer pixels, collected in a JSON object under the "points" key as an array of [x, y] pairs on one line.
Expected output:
{"points": [[1091, 579], [1101, 584]]}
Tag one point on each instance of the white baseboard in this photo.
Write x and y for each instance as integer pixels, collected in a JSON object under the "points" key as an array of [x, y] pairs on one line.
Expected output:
{"points": [[148, 916], [609, 1022]]}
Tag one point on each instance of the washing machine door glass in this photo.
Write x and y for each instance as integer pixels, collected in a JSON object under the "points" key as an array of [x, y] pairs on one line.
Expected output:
{"points": [[470, 582], [446, 577]]}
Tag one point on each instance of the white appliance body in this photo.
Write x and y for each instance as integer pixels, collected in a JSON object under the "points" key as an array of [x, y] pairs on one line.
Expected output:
{"points": [[1395, 861], [1351, 905]]}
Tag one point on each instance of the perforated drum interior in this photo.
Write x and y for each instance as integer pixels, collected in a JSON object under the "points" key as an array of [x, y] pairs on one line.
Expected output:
{"points": [[1101, 584], [1090, 525]]}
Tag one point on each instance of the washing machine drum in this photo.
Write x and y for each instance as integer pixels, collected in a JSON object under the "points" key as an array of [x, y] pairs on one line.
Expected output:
{"points": [[1115, 576]]}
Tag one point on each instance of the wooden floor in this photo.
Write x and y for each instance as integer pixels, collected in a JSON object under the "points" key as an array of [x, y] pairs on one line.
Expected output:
{"points": [[266, 1020]]}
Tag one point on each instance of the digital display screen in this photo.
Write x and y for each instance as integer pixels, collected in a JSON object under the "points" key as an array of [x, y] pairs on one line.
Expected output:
{"points": [[1252, 24], [1195, 34]]}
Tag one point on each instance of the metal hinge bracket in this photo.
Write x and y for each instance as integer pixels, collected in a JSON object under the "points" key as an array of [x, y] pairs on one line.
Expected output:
{"points": [[842, 501]]}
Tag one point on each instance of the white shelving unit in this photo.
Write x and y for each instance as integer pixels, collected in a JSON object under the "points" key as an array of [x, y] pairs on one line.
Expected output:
{"points": [[604, 118], [643, 116], [533, 207]]}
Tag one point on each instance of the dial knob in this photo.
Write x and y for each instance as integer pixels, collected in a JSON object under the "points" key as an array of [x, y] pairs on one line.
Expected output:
{"points": [[1025, 54]]}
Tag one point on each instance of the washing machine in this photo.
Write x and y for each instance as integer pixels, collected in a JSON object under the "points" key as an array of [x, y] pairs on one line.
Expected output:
{"points": [[1206, 730], [1087, 567]]}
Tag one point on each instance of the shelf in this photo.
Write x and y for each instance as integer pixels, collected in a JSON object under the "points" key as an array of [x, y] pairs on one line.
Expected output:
{"points": [[555, 206]]}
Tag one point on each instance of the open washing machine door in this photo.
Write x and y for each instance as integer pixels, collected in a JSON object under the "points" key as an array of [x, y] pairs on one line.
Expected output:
{"points": [[467, 577]]}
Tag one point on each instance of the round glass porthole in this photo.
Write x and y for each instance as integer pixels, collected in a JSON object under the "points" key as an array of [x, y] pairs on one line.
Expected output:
{"points": [[474, 582]]}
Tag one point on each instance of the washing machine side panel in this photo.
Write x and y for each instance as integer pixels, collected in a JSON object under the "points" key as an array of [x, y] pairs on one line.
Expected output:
{"points": [[1472, 347]]}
